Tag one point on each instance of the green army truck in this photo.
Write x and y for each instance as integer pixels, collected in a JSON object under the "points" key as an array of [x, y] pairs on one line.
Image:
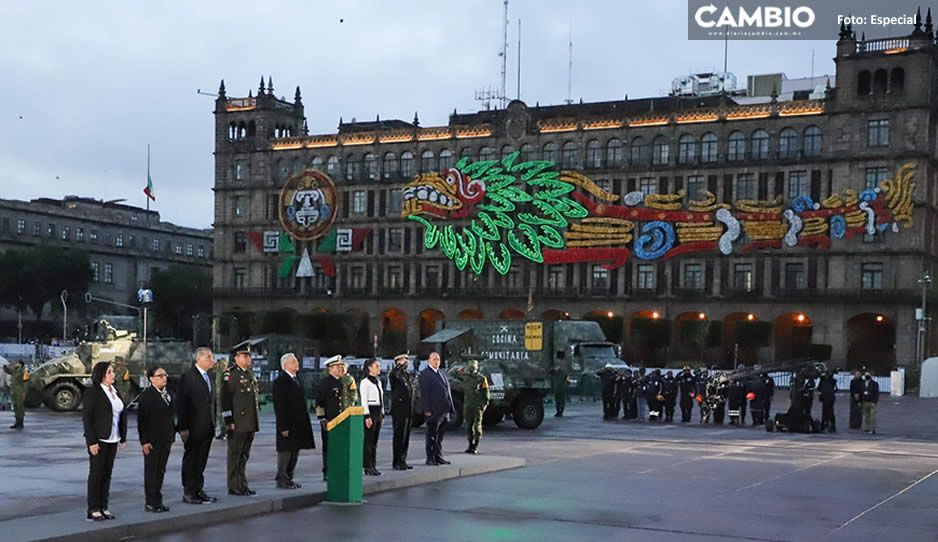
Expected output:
{"points": [[60, 383], [518, 356]]}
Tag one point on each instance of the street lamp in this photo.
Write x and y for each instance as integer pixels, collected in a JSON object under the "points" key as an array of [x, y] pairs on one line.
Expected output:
{"points": [[921, 314], [702, 316]]}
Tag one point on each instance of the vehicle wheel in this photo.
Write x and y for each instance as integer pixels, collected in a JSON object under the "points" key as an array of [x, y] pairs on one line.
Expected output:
{"points": [[529, 412], [456, 421], [62, 397], [492, 416]]}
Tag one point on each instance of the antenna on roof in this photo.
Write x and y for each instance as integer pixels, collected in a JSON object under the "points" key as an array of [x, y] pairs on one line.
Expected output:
{"points": [[503, 99], [519, 60], [569, 99]]}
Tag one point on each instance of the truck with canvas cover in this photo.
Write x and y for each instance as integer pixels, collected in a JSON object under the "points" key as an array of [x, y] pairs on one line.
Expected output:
{"points": [[518, 356]]}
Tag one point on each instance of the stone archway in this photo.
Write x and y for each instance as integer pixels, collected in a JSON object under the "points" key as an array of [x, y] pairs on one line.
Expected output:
{"points": [[470, 314], [731, 355], [555, 314], [871, 342], [610, 322], [649, 336], [511, 314], [393, 332], [691, 336], [792, 335]]}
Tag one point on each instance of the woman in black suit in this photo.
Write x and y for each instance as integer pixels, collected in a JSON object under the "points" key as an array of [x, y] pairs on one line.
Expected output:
{"points": [[105, 420]]}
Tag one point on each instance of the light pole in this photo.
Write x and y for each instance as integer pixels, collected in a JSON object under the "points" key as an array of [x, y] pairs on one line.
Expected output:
{"points": [[922, 316], [64, 297]]}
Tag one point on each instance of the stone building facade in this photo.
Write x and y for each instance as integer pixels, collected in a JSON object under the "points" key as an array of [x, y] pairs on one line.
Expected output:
{"points": [[125, 244], [859, 296]]}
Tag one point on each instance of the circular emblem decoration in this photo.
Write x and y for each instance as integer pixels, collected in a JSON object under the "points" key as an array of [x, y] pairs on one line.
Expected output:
{"points": [[308, 205]]}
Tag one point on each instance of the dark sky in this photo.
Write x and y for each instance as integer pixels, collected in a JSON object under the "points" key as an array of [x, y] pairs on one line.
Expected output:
{"points": [[86, 85]]}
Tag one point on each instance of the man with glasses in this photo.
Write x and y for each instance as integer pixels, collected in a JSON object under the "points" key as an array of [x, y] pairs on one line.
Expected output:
{"points": [[156, 425]]}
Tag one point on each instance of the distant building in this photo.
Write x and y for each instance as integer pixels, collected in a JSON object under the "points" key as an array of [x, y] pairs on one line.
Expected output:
{"points": [[125, 244], [779, 139]]}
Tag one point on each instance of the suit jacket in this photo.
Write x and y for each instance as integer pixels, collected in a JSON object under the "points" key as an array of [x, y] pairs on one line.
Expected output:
{"points": [[435, 395], [98, 417], [292, 415], [870, 391], [329, 398], [156, 420], [195, 405]]}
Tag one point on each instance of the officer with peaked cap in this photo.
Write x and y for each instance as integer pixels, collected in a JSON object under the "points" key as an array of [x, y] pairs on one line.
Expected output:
{"points": [[329, 401], [239, 396], [403, 383]]}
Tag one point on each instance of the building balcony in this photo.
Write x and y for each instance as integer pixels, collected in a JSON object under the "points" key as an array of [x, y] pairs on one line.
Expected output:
{"points": [[742, 293], [690, 293]]}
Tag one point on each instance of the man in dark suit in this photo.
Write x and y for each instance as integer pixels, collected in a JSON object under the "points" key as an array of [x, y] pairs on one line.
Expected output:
{"points": [[294, 430], [156, 425], [402, 409], [329, 402], [437, 401], [195, 419]]}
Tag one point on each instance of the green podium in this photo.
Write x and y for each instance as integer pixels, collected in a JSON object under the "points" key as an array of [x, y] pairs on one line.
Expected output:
{"points": [[344, 456]]}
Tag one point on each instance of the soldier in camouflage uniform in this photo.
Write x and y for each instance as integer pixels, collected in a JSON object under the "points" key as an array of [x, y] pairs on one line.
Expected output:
{"points": [[239, 401], [350, 396], [559, 381], [19, 382], [219, 370], [475, 398], [122, 378]]}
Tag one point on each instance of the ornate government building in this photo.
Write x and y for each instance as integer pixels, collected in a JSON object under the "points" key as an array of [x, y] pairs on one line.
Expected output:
{"points": [[807, 205]]}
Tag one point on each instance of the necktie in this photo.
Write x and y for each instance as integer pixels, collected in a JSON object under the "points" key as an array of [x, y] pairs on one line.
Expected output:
{"points": [[164, 395], [208, 381]]}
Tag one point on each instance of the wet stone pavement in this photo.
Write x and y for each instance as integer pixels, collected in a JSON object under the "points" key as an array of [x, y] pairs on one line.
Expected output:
{"points": [[586, 479]]}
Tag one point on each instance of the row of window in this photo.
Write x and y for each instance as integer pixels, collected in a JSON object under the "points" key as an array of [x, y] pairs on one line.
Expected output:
{"points": [[103, 273], [118, 240], [639, 151]]}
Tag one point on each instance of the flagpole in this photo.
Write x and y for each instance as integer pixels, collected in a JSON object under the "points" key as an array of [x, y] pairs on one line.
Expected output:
{"points": [[148, 181]]}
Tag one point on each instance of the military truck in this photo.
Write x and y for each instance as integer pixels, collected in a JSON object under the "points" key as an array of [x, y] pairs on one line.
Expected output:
{"points": [[60, 382], [517, 357]]}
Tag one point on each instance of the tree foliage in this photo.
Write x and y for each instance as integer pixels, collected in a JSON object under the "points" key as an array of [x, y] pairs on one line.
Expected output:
{"points": [[32, 277], [180, 293]]}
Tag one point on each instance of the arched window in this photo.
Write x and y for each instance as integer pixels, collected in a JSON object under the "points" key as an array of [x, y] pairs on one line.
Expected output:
{"points": [[407, 164], [252, 128], [487, 153], [242, 130], [760, 144], [594, 155], [426, 161], [736, 146], [614, 153], [639, 152], [283, 169], [687, 149], [568, 157], [550, 152], [389, 165], [864, 83], [371, 166], [897, 81], [316, 163], [298, 165], [467, 153], [660, 151], [788, 143], [232, 130], [506, 150], [528, 152], [709, 147], [353, 168], [880, 79], [446, 159], [332, 165], [812, 141]]}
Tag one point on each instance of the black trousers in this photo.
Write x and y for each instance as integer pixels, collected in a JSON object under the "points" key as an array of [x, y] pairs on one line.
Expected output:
{"points": [[668, 412], [687, 409], [325, 444], [719, 413], [154, 469], [286, 465], [401, 441], [435, 428], [194, 459], [370, 457], [827, 416], [99, 476], [856, 414]]}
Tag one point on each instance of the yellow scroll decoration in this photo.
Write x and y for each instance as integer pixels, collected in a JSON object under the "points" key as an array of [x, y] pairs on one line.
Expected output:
{"points": [[899, 194], [706, 205], [764, 230], [587, 184], [760, 206], [665, 202]]}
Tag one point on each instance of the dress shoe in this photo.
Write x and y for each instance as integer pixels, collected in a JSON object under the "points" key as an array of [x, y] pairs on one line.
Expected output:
{"points": [[249, 492], [400, 467], [441, 461], [288, 485], [409, 467], [192, 499], [95, 516], [107, 514], [156, 509], [237, 493], [432, 462], [205, 498]]}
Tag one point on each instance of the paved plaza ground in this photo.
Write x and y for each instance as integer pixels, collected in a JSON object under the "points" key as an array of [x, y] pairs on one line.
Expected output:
{"points": [[585, 479]]}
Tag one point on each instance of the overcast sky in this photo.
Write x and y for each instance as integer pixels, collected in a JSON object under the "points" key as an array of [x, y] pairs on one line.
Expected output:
{"points": [[86, 85]]}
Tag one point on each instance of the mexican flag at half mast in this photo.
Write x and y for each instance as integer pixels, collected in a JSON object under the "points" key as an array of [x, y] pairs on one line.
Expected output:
{"points": [[149, 189]]}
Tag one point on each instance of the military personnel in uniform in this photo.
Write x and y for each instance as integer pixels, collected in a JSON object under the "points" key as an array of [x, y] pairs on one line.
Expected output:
{"points": [[122, 378], [350, 395], [559, 381], [220, 367], [19, 382], [329, 401], [402, 409], [475, 398], [239, 400]]}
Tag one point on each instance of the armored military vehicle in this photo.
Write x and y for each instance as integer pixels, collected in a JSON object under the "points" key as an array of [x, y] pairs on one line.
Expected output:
{"points": [[60, 382], [517, 357]]}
